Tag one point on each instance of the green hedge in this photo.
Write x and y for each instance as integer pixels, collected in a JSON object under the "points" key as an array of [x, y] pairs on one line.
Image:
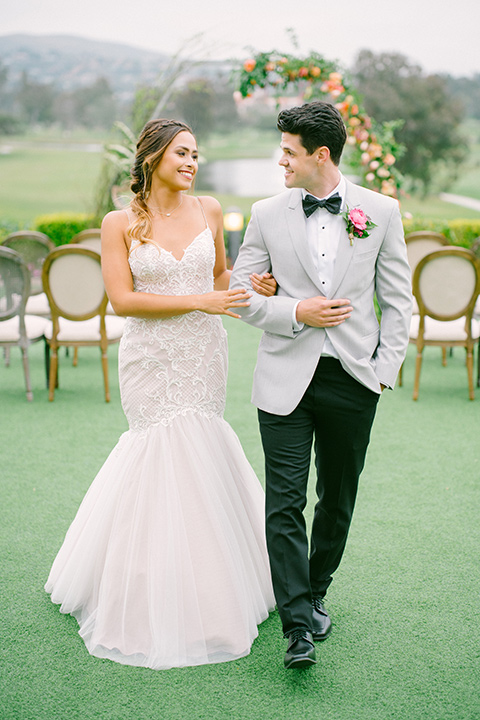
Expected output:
{"points": [[459, 232], [61, 227]]}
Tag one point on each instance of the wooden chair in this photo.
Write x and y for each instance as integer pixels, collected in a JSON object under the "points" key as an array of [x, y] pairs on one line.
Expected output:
{"points": [[33, 247], [88, 238], [73, 282], [419, 244], [476, 312], [16, 328], [446, 284]]}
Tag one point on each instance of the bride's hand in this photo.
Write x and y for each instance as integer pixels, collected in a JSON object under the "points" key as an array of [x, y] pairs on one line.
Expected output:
{"points": [[264, 284], [221, 302]]}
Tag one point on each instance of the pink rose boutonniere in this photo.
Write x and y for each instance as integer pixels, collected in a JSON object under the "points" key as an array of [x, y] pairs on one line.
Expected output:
{"points": [[358, 224]]}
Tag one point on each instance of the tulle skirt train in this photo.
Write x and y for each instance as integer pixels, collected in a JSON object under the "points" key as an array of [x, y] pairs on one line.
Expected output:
{"points": [[165, 563]]}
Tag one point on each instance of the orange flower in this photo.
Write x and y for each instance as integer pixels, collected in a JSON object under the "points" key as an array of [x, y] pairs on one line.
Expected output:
{"points": [[335, 77], [315, 71], [249, 65], [375, 150], [270, 66], [303, 72]]}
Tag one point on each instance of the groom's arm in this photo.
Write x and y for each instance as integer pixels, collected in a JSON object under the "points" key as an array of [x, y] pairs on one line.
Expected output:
{"points": [[274, 314], [394, 294]]}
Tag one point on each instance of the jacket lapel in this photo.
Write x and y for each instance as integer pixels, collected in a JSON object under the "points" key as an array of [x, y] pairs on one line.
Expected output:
{"points": [[295, 219], [345, 248]]}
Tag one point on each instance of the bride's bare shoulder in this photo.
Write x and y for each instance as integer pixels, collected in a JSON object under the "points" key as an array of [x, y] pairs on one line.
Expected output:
{"points": [[118, 219]]}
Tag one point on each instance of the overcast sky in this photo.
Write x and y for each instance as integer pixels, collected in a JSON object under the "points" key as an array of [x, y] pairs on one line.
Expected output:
{"points": [[438, 35]]}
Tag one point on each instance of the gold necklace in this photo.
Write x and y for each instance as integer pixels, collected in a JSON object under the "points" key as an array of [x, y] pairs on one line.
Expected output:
{"points": [[167, 214]]}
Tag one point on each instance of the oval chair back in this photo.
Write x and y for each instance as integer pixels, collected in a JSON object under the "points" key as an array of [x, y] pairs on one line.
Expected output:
{"points": [[421, 243], [89, 238], [33, 247], [17, 329], [72, 279]]}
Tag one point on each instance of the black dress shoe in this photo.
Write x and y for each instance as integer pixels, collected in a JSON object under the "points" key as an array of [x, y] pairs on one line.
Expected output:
{"points": [[321, 623], [301, 650]]}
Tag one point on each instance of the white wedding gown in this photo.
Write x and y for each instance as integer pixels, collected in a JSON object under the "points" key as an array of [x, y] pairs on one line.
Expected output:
{"points": [[165, 563]]}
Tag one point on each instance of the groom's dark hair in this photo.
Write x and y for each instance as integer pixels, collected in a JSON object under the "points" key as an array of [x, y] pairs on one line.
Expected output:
{"points": [[319, 124]]}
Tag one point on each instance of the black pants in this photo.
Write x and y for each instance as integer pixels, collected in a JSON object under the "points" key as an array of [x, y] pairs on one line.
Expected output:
{"points": [[337, 413]]}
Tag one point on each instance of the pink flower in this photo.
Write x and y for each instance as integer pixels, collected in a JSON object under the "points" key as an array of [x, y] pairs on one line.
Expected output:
{"points": [[249, 64], [358, 218]]}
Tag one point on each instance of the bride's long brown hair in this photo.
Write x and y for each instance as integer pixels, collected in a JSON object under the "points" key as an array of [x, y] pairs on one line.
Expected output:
{"points": [[152, 143]]}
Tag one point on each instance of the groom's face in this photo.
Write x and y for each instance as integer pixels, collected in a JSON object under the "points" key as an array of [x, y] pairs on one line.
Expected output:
{"points": [[301, 169]]}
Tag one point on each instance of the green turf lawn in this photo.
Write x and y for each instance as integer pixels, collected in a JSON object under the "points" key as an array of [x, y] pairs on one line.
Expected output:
{"points": [[404, 602], [38, 180]]}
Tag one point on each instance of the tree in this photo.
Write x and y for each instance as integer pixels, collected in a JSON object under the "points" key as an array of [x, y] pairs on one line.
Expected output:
{"points": [[467, 91], [35, 100], [91, 106], [194, 104], [393, 89]]}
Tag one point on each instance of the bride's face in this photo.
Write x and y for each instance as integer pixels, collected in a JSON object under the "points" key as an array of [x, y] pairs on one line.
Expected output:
{"points": [[179, 163]]}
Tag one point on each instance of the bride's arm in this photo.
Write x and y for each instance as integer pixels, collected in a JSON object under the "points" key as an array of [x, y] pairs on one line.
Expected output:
{"points": [[262, 284], [119, 282]]}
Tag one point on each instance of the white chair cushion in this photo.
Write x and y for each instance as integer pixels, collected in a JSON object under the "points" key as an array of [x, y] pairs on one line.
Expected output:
{"points": [[86, 330], [34, 326], [476, 309], [110, 310], [439, 331], [38, 305]]}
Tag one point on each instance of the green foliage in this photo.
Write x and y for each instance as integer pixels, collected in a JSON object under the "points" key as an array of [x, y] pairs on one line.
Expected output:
{"points": [[392, 89], [144, 103], [7, 227], [61, 227], [467, 91], [118, 158], [464, 232], [460, 232], [194, 103], [92, 106], [9, 124]]}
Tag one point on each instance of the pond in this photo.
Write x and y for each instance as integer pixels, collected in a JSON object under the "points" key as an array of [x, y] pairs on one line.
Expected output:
{"points": [[245, 177]]}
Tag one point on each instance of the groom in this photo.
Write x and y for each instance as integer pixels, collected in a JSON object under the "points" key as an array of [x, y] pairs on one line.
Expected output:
{"points": [[323, 359]]}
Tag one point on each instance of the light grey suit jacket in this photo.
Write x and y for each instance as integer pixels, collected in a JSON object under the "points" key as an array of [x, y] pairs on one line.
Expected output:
{"points": [[276, 241]]}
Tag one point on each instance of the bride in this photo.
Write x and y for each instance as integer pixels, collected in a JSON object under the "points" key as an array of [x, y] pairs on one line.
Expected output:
{"points": [[165, 563]]}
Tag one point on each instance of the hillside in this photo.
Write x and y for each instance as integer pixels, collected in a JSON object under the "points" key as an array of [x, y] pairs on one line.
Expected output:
{"points": [[70, 62]]}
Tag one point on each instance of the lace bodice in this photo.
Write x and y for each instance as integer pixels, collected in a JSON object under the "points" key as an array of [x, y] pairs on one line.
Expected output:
{"points": [[156, 270], [177, 365]]}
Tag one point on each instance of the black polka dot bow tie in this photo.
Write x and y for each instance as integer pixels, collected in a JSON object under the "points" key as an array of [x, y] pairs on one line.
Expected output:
{"points": [[332, 204]]}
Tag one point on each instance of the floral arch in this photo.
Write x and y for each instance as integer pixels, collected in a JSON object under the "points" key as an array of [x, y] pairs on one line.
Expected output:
{"points": [[373, 149]]}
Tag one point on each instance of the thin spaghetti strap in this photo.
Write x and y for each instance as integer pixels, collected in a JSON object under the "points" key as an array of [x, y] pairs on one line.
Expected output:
{"points": [[203, 213]]}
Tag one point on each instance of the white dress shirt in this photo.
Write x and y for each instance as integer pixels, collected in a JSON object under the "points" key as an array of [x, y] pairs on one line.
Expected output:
{"points": [[323, 235]]}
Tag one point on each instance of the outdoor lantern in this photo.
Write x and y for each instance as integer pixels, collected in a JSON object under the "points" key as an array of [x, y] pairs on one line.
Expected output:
{"points": [[233, 222]]}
